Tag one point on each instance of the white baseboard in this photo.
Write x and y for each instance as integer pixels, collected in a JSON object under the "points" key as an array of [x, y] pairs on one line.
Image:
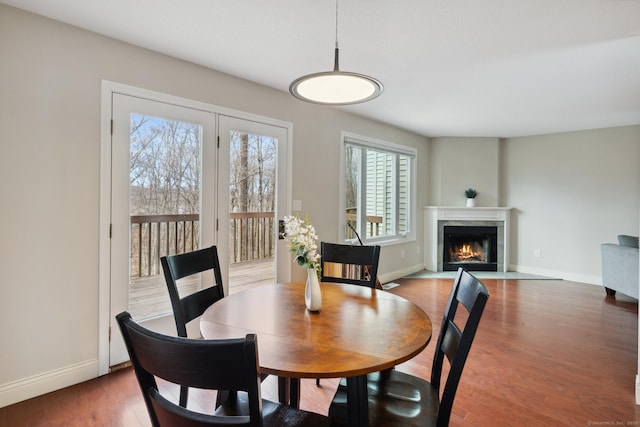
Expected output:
{"points": [[581, 278], [26, 388], [389, 277]]}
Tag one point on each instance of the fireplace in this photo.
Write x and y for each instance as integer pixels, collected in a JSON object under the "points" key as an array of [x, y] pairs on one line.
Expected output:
{"points": [[471, 247], [493, 245]]}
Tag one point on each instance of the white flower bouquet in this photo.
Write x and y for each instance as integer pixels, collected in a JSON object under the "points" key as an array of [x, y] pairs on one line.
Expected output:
{"points": [[301, 240]]}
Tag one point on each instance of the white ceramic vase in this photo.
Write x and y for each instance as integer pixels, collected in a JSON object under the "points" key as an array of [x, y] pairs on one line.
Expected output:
{"points": [[471, 202], [312, 294]]}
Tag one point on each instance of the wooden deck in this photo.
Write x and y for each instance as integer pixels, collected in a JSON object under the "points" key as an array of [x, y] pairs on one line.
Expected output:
{"points": [[149, 296]]}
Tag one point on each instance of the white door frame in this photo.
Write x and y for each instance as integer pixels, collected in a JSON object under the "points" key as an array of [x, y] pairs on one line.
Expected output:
{"points": [[104, 280]]}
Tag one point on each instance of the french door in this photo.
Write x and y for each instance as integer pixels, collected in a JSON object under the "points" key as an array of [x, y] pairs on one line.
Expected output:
{"points": [[163, 201], [253, 156], [182, 177]]}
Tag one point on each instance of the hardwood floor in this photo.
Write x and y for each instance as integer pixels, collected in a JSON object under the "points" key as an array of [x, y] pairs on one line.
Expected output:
{"points": [[547, 353]]}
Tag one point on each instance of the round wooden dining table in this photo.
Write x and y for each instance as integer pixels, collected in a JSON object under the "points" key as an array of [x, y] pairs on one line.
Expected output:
{"points": [[358, 330]]}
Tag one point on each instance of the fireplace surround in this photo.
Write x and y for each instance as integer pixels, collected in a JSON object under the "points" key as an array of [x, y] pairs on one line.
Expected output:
{"points": [[436, 218]]}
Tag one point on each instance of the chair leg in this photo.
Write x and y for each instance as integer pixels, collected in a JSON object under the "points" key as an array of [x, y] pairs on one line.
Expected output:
{"points": [[317, 382], [184, 395], [610, 291]]}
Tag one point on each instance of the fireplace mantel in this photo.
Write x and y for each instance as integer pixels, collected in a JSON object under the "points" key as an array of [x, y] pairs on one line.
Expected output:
{"points": [[435, 217]]}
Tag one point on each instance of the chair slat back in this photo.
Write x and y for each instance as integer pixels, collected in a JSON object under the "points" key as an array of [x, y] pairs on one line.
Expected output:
{"points": [[365, 258], [229, 364], [177, 267], [189, 263], [454, 341]]}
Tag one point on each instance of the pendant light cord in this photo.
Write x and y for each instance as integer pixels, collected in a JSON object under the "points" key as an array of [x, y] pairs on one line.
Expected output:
{"points": [[336, 24], [336, 66]]}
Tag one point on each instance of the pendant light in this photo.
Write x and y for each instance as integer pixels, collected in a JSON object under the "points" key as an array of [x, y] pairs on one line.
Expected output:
{"points": [[336, 87]]}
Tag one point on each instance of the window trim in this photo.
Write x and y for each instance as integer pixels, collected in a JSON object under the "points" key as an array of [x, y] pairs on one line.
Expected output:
{"points": [[368, 142]]}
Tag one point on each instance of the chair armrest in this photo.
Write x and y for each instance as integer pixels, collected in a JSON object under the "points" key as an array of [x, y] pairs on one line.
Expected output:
{"points": [[620, 268]]}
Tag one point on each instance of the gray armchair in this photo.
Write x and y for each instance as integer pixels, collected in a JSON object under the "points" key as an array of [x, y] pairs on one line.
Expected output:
{"points": [[620, 266]]}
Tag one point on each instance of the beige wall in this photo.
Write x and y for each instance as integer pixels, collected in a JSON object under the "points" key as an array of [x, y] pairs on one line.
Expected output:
{"points": [[460, 163], [50, 88], [570, 193]]}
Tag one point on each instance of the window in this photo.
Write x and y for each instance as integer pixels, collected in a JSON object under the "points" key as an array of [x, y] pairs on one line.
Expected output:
{"points": [[378, 190]]}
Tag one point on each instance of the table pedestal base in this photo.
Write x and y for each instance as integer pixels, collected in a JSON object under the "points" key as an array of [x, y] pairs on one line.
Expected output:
{"points": [[357, 401], [289, 391]]}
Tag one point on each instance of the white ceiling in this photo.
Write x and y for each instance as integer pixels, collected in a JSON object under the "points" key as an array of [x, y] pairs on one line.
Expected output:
{"points": [[498, 68]]}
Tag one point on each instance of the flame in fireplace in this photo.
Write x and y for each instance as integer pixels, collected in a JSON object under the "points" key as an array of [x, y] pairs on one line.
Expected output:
{"points": [[467, 253]]}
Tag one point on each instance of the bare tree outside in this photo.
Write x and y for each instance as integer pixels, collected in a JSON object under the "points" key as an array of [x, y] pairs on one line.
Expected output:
{"points": [[164, 182], [352, 169], [252, 171], [165, 166], [252, 188]]}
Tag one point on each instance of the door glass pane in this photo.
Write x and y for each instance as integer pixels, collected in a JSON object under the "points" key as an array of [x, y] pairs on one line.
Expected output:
{"points": [[252, 190], [164, 207]]}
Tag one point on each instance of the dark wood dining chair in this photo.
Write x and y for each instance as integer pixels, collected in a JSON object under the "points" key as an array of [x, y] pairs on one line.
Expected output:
{"points": [[189, 307], [229, 364], [399, 399], [177, 267], [186, 309], [356, 265]]}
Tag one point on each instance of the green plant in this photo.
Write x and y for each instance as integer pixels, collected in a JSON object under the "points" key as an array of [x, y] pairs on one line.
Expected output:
{"points": [[470, 193]]}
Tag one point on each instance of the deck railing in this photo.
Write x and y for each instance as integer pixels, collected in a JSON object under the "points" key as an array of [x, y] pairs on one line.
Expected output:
{"points": [[373, 222], [252, 237], [154, 236]]}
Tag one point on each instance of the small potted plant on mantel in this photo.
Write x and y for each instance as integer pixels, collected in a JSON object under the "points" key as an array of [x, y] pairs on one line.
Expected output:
{"points": [[471, 197]]}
